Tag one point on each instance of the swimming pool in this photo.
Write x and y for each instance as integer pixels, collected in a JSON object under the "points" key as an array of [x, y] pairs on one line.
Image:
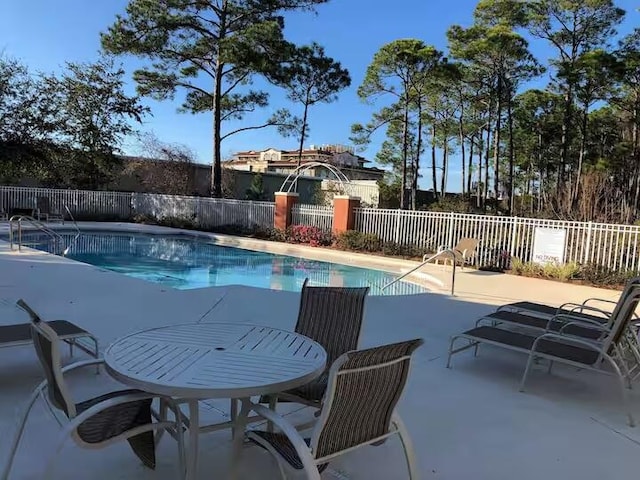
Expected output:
{"points": [[187, 262]]}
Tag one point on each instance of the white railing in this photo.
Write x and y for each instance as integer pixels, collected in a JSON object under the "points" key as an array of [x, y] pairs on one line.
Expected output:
{"points": [[83, 203], [612, 246], [319, 216], [95, 205]]}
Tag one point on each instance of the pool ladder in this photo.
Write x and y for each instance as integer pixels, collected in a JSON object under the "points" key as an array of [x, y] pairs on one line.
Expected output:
{"points": [[15, 234], [424, 262]]}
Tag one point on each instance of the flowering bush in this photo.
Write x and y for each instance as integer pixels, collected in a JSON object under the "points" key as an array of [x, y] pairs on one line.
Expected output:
{"points": [[308, 235]]}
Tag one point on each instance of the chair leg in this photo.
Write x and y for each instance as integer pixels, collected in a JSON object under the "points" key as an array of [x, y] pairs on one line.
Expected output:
{"points": [[239, 424], [407, 446], [623, 389], [180, 439], [526, 371], [273, 403]]}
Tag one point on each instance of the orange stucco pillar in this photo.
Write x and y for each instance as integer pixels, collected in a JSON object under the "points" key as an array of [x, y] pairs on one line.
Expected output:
{"points": [[344, 213], [284, 204]]}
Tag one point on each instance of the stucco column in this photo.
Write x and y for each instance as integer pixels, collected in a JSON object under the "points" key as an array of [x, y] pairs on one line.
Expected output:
{"points": [[344, 213], [284, 204]]}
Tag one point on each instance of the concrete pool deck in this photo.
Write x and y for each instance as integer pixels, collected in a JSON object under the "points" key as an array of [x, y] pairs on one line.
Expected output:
{"points": [[467, 422]]}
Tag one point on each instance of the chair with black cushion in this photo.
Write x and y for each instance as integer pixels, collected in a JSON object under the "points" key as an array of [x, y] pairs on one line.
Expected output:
{"points": [[359, 409], [97, 422], [604, 356]]}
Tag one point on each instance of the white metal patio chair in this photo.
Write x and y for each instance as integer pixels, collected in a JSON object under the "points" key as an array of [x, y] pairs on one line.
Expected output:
{"points": [[358, 410], [97, 422]]}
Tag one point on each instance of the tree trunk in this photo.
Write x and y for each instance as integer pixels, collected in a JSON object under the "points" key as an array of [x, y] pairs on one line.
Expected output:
{"points": [[462, 150], [485, 187], [416, 171], [565, 139], [303, 132], [405, 154], [216, 174], [445, 164], [301, 145], [511, 154], [496, 138], [583, 149], [434, 177], [470, 164]]}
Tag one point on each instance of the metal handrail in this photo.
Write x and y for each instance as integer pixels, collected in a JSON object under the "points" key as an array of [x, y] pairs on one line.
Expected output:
{"points": [[36, 223], [76, 237], [424, 262]]}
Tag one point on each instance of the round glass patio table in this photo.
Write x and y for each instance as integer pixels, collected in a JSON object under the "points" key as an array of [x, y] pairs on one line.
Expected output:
{"points": [[213, 360]]}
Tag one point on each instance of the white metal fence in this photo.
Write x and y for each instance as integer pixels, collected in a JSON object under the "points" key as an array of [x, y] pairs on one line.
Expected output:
{"points": [[319, 216], [85, 204], [613, 246]]}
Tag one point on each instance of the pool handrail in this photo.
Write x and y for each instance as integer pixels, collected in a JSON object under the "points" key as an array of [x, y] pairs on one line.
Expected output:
{"points": [[424, 262]]}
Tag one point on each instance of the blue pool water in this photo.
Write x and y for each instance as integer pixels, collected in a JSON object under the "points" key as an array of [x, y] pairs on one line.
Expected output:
{"points": [[186, 262]]}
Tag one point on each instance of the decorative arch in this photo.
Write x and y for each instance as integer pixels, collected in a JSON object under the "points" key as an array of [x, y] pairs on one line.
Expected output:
{"points": [[342, 179]]}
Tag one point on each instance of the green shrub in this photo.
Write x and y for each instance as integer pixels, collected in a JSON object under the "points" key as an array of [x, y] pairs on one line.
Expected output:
{"points": [[143, 218], [599, 275], [358, 241], [399, 250], [562, 272], [187, 223]]}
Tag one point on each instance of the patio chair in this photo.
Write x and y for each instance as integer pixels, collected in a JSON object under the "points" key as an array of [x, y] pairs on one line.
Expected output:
{"points": [[332, 316], [20, 334], [97, 422], [359, 409], [559, 347], [595, 314], [43, 210], [464, 250]]}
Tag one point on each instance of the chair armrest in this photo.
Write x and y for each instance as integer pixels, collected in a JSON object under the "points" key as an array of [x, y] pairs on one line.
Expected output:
{"points": [[564, 339], [580, 324], [302, 449], [84, 363], [585, 322], [573, 307], [602, 300]]}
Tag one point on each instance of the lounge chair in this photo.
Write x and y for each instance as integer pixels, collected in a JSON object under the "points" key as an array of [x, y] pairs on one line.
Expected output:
{"points": [[332, 316], [464, 251], [43, 210], [562, 348], [358, 409], [20, 334], [96, 422], [583, 310]]}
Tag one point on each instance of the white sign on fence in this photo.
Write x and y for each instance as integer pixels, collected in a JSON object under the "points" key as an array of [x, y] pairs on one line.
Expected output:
{"points": [[548, 245]]}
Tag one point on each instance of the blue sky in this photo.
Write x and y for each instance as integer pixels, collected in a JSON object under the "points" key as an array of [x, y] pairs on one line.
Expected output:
{"points": [[44, 34]]}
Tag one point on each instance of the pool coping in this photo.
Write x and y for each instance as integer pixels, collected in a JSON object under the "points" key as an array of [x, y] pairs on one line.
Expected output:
{"points": [[353, 259]]}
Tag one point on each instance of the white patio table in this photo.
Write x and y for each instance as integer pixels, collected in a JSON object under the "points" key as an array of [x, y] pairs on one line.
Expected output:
{"points": [[214, 360]]}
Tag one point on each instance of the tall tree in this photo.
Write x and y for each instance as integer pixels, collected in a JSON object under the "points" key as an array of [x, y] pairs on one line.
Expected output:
{"points": [[212, 49], [94, 116], [572, 28], [398, 69], [311, 78]]}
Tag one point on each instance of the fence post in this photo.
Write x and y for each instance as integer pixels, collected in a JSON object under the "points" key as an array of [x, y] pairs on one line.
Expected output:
{"points": [[397, 235], [450, 232], [514, 229], [587, 246]]}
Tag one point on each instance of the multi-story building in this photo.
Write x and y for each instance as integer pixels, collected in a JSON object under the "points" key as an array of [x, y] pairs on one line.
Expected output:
{"points": [[285, 161]]}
